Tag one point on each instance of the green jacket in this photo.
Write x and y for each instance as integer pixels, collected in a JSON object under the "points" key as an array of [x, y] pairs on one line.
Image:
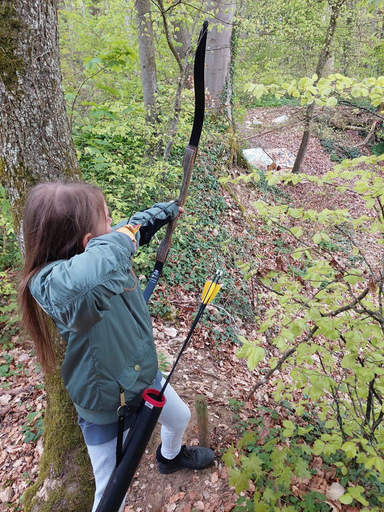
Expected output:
{"points": [[98, 307]]}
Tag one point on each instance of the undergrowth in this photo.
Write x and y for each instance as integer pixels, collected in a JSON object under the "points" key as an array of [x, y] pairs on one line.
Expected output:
{"points": [[10, 261], [274, 470], [115, 157]]}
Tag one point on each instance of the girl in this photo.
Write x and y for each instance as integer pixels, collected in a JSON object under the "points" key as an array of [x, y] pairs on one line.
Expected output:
{"points": [[78, 271]]}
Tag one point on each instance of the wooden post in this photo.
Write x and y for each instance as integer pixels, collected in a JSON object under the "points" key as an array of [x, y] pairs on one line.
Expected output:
{"points": [[202, 420]]}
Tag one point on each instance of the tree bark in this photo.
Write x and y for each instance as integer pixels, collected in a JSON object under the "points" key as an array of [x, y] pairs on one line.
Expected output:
{"points": [[323, 58], [36, 145], [218, 59], [147, 58]]}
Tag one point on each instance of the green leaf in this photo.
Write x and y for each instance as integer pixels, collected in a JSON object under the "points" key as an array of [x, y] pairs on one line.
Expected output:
{"points": [[331, 102], [269, 495], [278, 456], [228, 457], [239, 480], [356, 492], [284, 476], [253, 464], [248, 438], [92, 63], [365, 375], [301, 469], [346, 499], [318, 447], [265, 325], [349, 449], [255, 357], [297, 231], [295, 213], [273, 180], [261, 507]]}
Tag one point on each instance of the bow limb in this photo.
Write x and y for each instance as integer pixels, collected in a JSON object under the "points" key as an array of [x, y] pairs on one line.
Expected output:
{"points": [[191, 150], [188, 159]]}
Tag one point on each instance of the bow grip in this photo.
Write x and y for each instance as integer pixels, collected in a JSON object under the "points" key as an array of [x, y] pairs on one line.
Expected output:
{"points": [[188, 161]]}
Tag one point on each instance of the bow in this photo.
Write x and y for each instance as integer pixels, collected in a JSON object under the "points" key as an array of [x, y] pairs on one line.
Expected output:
{"points": [[188, 159]]}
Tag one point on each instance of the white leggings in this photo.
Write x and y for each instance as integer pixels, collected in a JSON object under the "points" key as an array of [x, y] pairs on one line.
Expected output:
{"points": [[174, 419]]}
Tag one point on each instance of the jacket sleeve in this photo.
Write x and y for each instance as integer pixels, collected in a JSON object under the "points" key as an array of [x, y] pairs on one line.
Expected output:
{"points": [[153, 219], [78, 291]]}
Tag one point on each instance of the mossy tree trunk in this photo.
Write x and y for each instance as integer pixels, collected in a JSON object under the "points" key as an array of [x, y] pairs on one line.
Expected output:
{"points": [[36, 145]]}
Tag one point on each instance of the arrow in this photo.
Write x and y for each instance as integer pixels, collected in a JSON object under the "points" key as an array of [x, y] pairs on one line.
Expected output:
{"points": [[211, 289]]}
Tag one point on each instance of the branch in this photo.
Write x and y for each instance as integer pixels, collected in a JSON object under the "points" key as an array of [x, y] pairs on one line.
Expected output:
{"points": [[167, 36], [371, 132], [283, 358], [372, 112], [78, 92], [309, 336]]}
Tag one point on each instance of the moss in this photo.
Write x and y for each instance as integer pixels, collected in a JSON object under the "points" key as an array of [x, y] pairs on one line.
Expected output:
{"points": [[10, 28], [65, 458], [18, 177], [22, 177]]}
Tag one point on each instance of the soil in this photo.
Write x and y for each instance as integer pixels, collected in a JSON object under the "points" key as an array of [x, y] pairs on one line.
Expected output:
{"points": [[206, 368]]}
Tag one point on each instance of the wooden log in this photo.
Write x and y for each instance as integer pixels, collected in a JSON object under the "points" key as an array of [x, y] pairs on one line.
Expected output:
{"points": [[202, 420]]}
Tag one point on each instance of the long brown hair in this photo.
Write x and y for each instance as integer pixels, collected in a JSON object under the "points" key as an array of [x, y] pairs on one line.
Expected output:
{"points": [[57, 216]]}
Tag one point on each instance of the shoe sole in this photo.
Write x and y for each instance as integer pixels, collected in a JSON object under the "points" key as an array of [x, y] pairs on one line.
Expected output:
{"points": [[168, 471]]}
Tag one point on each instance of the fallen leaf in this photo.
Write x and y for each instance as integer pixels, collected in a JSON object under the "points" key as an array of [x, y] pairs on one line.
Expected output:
{"points": [[177, 497], [335, 491], [170, 331]]}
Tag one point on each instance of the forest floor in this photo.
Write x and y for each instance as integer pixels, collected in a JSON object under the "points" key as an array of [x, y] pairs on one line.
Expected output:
{"points": [[207, 368]]}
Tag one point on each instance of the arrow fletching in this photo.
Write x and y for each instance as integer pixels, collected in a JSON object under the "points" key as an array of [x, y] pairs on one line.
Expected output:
{"points": [[211, 288], [211, 292]]}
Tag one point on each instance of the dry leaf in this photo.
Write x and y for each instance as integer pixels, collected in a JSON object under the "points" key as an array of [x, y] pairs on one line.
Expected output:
{"points": [[176, 497], [372, 286], [335, 491]]}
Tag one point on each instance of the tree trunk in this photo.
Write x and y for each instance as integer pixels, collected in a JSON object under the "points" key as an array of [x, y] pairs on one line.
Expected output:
{"points": [[147, 58], [36, 145], [323, 58], [218, 57], [182, 37]]}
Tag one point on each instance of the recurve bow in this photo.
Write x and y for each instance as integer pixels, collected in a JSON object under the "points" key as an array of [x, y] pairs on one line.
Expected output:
{"points": [[188, 159]]}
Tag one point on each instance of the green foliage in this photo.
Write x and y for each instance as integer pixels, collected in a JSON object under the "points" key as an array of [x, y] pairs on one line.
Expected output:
{"points": [[326, 91], [267, 32], [284, 457], [164, 365], [270, 101], [9, 319], [96, 59], [327, 314], [378, 149], [114, 154], [9, 262], [338, 152], [33, 427], [9, 251]]}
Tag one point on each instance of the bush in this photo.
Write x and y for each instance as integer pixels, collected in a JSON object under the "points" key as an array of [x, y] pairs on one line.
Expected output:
{"points": [[326, 321]]}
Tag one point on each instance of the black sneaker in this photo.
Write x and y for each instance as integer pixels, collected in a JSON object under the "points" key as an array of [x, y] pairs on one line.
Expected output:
{"points": [[193, 457]]}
